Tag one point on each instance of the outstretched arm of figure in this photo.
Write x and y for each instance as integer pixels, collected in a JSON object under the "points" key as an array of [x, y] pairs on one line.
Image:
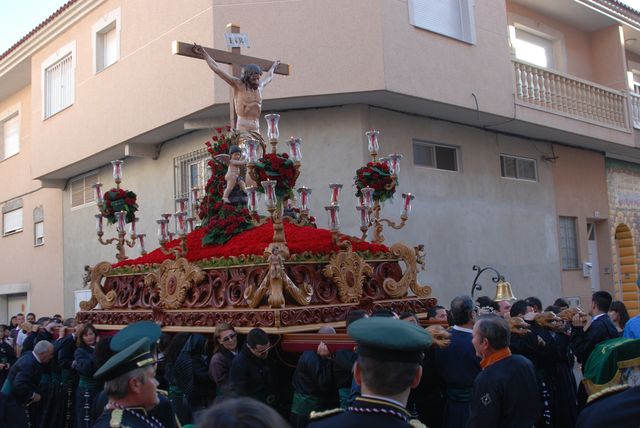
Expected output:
{"points": [[269, 75], [213, 65], [241, 161]]}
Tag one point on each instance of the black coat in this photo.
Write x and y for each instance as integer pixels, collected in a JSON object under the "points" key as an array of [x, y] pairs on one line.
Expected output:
{"points": [[620, 410], [253, 377], [365, 412], [584, 342], [129, 418], [505, 395], [24, 377]]}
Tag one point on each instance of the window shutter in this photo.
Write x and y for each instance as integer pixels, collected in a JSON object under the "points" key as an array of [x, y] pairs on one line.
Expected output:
{"points": [[89, 193], [59, 86], [12, 221], [39, 233], [77, 193], [110, 47], [11, 131]]}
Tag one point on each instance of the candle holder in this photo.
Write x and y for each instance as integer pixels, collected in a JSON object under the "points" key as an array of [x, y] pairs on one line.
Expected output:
{"points": [[295, 153], [165, 235], [333, 222], [276, 282], [122, 241], [273, 133], [335, 193], [386, 171]]}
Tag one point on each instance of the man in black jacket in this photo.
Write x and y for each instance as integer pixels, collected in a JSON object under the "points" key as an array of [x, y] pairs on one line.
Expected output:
{"points": [[583, 342], [252, 372], [21, 387]]}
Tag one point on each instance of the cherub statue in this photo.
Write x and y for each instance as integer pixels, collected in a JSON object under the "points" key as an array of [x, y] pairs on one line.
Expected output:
{"points": [[235, 160]]}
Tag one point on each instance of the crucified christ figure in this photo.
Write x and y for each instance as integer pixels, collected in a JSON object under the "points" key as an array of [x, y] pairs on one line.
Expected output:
{"points": [[247, 90]]}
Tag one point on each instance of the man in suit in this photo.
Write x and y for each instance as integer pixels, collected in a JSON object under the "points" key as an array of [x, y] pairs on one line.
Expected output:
{"points": [[583, 342], [388, 367], [458, 365], [21, 388]]}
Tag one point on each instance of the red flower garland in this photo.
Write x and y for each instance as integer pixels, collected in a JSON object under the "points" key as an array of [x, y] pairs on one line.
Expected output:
{"points": [[300, 239], [116, 200], [280, 168], [375, 175]]}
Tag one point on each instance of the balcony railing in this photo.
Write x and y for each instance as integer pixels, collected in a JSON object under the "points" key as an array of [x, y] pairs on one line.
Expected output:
{"points": [[634, 100], [570, 96]]}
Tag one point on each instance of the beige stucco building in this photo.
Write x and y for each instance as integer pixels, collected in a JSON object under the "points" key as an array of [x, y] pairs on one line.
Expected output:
{"points": [[505, 113]]}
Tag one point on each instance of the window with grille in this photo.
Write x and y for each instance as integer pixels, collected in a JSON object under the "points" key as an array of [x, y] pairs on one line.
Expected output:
{"points": [[106, 40], [451, 18], [435, 156], [82, 192], [191, 170], [568, 243], [38, 233], [10, 135], [518, 168], [12, 221]]}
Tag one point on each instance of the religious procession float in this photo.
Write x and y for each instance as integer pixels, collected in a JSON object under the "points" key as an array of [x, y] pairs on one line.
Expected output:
{"points": [[253, 256]]}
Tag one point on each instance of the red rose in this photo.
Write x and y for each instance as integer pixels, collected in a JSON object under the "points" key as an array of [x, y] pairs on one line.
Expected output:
{"points": [[214, 138], [219, 130]]}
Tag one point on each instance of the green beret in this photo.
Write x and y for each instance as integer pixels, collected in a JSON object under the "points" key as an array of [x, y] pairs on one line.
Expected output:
{"points": [[608, 360], [133, 357], [133, 332], [389, 339]]}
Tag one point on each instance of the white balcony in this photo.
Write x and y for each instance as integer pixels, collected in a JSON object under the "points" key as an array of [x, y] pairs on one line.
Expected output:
{"points": [[634, 100], [569, 96]]}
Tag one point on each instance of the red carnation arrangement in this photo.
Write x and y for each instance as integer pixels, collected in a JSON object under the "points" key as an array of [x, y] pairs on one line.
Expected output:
{"points": [[220, 220], [375, 175], [280, 168], [116, 200]]}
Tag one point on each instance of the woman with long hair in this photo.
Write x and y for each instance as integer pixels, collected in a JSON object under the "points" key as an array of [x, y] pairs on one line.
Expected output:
{"points": [[225, 350], [619, 315], [85, 365]]}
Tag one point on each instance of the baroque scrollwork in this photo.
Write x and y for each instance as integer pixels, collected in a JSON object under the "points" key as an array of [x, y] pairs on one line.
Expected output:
{"points": [[98, 296], [174, 278], [348, 271], [397, 289], [275, 283]]}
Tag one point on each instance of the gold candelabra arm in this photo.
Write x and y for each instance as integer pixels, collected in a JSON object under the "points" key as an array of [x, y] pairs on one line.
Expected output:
{"points": [[108, 241], [131, 242], [392, 224], [178, 251]]}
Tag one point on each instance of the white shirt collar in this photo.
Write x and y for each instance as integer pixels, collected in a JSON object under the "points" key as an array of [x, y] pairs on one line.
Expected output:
{"points": [[596, 317], [376, 397], [466, 330], [36, 357]]}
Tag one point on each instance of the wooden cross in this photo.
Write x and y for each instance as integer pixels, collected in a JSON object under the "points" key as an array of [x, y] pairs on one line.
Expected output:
{"points": [[233, 58]]}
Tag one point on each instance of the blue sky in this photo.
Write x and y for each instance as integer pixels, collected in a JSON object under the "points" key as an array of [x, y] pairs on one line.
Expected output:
{"points": [[18, 17]]}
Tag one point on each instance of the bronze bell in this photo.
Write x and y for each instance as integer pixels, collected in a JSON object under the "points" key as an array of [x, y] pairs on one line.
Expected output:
{"points": [[503, 291]]}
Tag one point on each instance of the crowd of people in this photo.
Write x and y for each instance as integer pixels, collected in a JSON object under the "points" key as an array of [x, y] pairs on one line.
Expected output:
{"points": [[498, 364]]}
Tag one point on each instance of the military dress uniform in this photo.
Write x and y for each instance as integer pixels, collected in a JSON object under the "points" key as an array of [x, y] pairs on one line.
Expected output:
{"points": [[163, 412], [131, 358], [387, 340]]}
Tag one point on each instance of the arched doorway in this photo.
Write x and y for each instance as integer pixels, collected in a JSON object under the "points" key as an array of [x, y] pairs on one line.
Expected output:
{"points": [[627, 288]]}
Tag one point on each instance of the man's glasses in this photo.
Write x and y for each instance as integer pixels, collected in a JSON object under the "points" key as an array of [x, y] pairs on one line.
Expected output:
{"points": [[228, 338]]}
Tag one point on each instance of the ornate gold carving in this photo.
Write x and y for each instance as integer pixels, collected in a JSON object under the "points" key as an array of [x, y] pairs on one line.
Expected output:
{"points": [[174, 278], [408, 281], [98, 296], [348, 271], [276, 282]]}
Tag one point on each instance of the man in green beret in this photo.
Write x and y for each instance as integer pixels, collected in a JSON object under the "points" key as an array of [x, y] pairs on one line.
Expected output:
{"points": [[128, 336], [388, 367], [130, 385]]}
